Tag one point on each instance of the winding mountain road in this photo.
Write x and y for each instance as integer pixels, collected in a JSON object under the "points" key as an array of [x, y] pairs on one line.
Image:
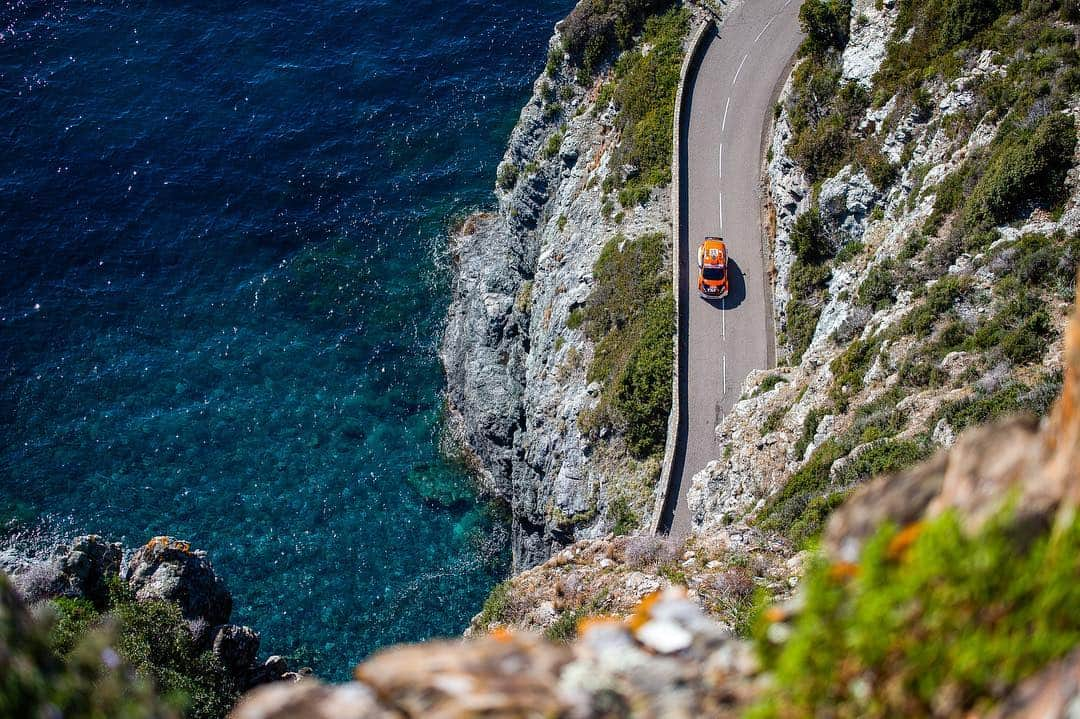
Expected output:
{"points": [[728, 100]]}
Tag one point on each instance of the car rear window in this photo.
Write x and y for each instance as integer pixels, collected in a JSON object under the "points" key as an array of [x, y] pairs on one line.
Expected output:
{"points": [[713, 273]]}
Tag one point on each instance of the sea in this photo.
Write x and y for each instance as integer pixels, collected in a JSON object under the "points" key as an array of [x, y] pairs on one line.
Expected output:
{"points": [[224, 271]]}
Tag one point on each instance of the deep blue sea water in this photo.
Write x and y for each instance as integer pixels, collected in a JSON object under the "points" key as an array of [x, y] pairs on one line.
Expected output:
{"points": [[222, 283]]}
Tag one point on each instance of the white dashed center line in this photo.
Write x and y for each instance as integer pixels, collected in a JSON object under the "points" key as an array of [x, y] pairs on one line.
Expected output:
{"points": [[764, 29], [723, 125], [720, 164], [745, 57]]}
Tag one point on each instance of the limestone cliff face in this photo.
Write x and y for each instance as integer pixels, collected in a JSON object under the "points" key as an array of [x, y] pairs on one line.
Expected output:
{"points": [[871, 380], [516, 372]]}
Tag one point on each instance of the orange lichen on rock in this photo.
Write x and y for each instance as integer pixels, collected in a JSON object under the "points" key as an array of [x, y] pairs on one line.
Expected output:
{"points": [[900, 543]]}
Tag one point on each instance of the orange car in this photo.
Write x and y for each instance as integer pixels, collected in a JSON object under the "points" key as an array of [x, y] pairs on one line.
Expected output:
{"points": [[712, 264]]}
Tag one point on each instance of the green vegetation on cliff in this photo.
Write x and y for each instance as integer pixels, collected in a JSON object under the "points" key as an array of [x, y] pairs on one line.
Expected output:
{"points": [[53, 666], [630, 315], [126, 659], [932, 622]]}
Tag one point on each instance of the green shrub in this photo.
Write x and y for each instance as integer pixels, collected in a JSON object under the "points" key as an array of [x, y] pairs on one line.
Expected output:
{"points": [[770, 383], [554, 61], [644, 93], [772, 422], [809, 429], [508, 176], [849, 368], [595, 29], [626, 519], [878, 290], [885, 457], [879, 169], [982, 407], [825, 24], [36, 680], [808, 238], [643, 392], [812, 520], [956, 615], [1024, 170], [824, 113], [940, 298], [155, 640], [849, 251], [74, 618], [807, 284], [630, 315], [551, 149], [564, 629], [1021, 329], [787, 507]]}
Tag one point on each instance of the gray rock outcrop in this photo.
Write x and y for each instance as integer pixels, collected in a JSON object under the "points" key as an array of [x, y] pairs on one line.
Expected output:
{"points": [[169, 570]]}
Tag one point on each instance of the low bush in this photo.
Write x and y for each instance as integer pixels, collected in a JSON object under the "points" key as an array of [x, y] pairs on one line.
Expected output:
{"points": [[812, 520], [508, 175], [825, 24], [1027, 168], [643, 391], [630, 315], [626, 520], [809, 429], [884, 457], [596, 29], [946, 615], [807, 286], [824, 112], [644, 91], [1020, 330], [153, 638], [940, 298], [981, 407], [495, 606], [787, 507], [50, 671], [770, 383], [878, 290], [849, 368], [811, 243]]}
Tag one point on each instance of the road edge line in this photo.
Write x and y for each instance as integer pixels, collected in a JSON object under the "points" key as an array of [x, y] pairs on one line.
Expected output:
{"points": [[664, 484]]}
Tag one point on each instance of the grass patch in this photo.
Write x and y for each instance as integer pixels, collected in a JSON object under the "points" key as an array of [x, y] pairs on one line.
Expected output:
{"points": [[643, 91], [495, 606], [630, 315]]}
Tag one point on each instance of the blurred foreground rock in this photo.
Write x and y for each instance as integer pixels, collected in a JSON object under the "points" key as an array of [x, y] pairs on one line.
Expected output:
{"points": [[668, 660]]}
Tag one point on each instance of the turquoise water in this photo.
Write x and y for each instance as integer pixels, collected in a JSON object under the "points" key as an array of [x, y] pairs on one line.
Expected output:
{"points": [[224, 274]]}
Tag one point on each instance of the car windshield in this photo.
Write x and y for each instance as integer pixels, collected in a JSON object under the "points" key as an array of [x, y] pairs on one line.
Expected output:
{"points": [[713, 273]]}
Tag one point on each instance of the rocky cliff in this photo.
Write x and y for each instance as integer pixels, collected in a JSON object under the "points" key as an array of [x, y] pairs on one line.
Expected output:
{"points": [[517, 358]]}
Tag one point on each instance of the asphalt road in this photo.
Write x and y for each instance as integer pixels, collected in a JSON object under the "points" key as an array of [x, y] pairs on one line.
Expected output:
{"points": [[728, 104]]}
